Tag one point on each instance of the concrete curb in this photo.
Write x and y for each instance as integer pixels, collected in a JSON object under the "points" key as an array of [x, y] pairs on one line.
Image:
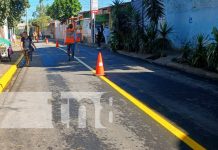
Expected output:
{"points": [[6, 78], [191, 70], [180, 67]]}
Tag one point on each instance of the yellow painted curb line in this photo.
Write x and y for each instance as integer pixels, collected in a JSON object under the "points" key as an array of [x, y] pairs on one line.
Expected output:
{"points": [[157, 117], [6, 78], [150, 112]]}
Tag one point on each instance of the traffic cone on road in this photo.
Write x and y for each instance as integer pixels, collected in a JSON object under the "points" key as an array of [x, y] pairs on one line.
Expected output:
{"points": [[100, 65], [57, 44]]}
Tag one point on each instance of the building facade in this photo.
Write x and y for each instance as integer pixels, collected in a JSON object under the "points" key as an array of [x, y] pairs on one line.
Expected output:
{"points": [[102, 18], [59, 30], [4, 32], [21, 27], [188, 18]]}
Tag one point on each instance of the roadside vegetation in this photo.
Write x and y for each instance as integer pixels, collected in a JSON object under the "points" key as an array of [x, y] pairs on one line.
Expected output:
{"points": [[12, 10], [60, 10], [40, 18], [130, 34], [201, 52], [64, 9], [150, 34]]}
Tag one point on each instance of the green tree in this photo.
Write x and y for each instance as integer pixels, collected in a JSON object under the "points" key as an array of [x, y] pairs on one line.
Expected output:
{"points": [[63, 9], [12, 11], [163, 42], [4, 11], [41, 19], [121, 26], [17, 10], [138, 34], [154, 10]]}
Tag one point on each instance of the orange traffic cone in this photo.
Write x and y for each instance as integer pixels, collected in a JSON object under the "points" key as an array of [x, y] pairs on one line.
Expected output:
{"points": [[57, 44], [100, 66]]}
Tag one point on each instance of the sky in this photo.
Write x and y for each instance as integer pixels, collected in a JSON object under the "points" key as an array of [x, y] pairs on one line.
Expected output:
{"points": [[85, 5]]}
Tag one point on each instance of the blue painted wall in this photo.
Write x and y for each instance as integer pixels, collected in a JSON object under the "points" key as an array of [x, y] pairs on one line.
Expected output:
{"points": [[188, 17]]}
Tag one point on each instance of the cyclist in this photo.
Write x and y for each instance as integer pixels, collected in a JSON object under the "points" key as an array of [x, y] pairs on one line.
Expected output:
{"points": [[28, 46], [70, 41]]}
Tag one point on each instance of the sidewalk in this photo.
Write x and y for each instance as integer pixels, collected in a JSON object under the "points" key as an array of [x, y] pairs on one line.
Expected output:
{"points": [[167, 62], [8, 68], [5, 65]]}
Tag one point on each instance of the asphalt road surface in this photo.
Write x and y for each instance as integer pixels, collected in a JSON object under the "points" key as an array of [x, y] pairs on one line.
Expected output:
{"points": [[52, 105]]}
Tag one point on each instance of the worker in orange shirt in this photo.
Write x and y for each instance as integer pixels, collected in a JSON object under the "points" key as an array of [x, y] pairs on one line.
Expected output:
{"points": [[70, 41]]}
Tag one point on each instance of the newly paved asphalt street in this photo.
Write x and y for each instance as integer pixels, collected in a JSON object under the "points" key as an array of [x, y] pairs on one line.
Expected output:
{"points": [[31, 113], [189, 101]]}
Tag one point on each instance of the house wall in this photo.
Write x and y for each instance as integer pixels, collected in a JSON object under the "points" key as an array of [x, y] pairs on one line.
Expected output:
{"points": [[86, 31], [21, 27], [188, 18], [60, 30], [4, 31]]}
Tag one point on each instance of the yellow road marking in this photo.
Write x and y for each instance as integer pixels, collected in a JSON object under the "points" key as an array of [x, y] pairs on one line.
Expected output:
{"points": [[156, 116], [6, 78]]}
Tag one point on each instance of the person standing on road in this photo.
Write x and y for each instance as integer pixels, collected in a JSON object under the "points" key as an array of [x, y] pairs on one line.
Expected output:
{"points": [[70, 41], [106, 33], [28, 47], [99, 37]]}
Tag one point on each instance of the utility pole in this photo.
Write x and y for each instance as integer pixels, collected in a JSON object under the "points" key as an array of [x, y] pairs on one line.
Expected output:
{"points": [[27, 22], [92, 22], [40, 13], [91, 19], [93, 10], [93, 30]]}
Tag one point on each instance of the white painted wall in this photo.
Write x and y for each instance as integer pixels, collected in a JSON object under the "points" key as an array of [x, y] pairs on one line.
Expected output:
{"points": [[188, 17], [60, 30], [86, 32], [4, 31]]}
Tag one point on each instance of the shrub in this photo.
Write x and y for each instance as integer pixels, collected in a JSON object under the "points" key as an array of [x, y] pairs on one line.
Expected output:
{"points": [[199, 58], [143, 43], [137, 32], [121, 22], [154, 11], [114, 43], [186, 50], [152, 35], [163, 42], [212, 55]]}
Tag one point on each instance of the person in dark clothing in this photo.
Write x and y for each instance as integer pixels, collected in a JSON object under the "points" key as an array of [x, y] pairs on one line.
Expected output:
{"points": [[99, 37]]}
